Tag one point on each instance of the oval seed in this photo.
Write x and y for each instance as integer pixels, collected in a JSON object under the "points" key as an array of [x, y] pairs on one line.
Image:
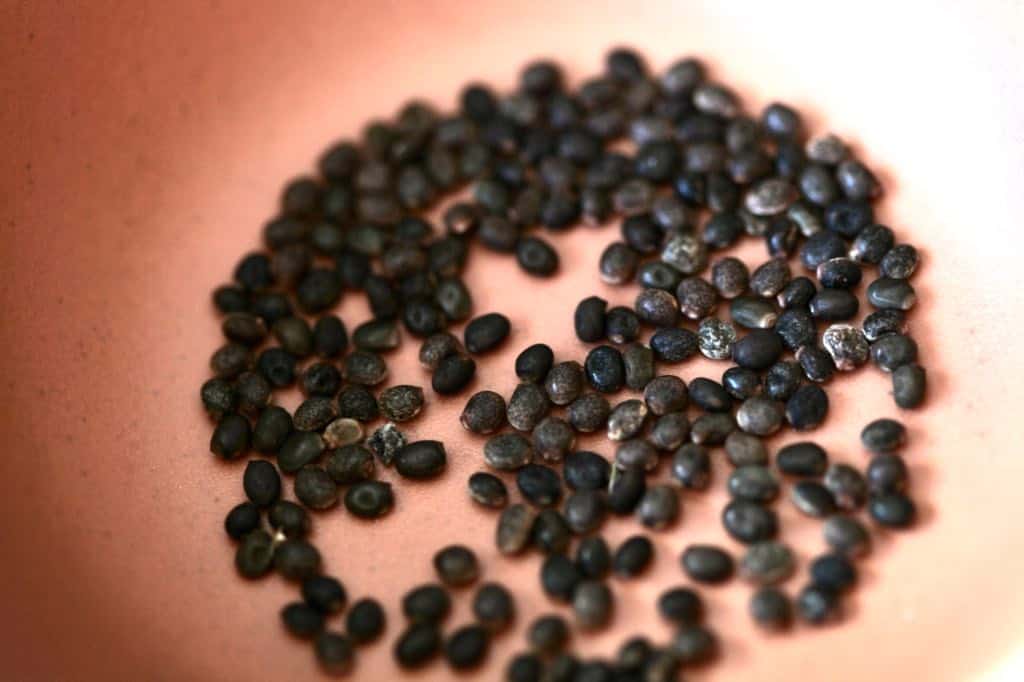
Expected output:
{"points": [[807, 408], [908, 386], [486, 332], [846, 535], [453, 373], [753, 484], [604, 369], [494, 607], [421, 460], [484, 412], [893, 510], [334, 653], [767, 563], [589, 412], [883, 436], [527, 406], [691, 466], [760, 416], [553, 438], [419, 644], [893, 351], [564, 382], [488, 490], [255, 555], [514, 528], [364, 621], [627, 419], [369, 499], [749, 522], [847, 485], [456, 566], [539, 485], [707, 564], [730, 277], [888, 293], [633, 556], [315, 488], [659, 507], [770, 608], [401, 403], [592, 605], [534, 363], [900, 262], [813, 499], [551, 534], [715, 338], [817, 604], [802, 459], [508, 452]]}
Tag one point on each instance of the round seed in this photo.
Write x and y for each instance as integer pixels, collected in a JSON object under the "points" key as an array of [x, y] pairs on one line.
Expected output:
{"points": [[817, 604], [296, 560], [428, 603], [659, 507], [539, 484], [299, 449], [255, 555], [315, 488], [376, 336], [894, 510], [564, 382], [592, 605], [289, 519], [847, 485], [697, 299], [487, 490], [908, 386], [467, 647], [813, 499], [767, 563], [758, 350], [693, 645], [508, 452], [548, 634], [493, 607], [749, 522], [669, 432], [584, 511], [456, 566], [871, 245], [900, 262], [893, 351], [369, 499], [816, 363], [770, 278], [436, 348], [364, 621], [833, 571], [534, 363], [559, 577], [604, 369], [627, 419], [797, 329], [782, 380], [707, 564], [514, 528], [680, 606], [715, 338], [356, 402], [241, 520], [324, 593], [551, 534], [741, 383], [857, 181], [364, 368], [418, 645], [821, 247], [760, 416], [593, 557], [889, 293], [484, 412], [847, 346], [730, 277], [302, 620], [657, 308], [553, 438], [807, 408], [231, 436], [883, 436], [887, 473], [589, 412], [527, 406], [633, 557], [453, 373], [586, 470], [686, 253], [636, 454], [536, 257], [401, 403], [753, 484], [744, 449], [709, 395], [334, 653], [666, 394], [421, 459], [839, 273], [796, 294], [846, 535], [771, 609]]}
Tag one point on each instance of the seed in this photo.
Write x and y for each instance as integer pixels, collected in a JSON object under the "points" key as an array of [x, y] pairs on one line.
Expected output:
{"points": [[564, 382], [782, 380], [321, 379], [493, 607], [715, 338], [315, 488], [846, 535], [604, 369], [886, 474], [908, 386], [420, 315], [625, 488], [633, 557], [680, 606], [753, 483], [551, 533], [484, 412], [593, 557], [559, 577], [548, 634], [356, 402], [369, 499], [334, 653], [302, 620], [796, 294], [508, 452], [633, 197], [834, 572], [807, 408], [846, 345], [456, 566], [584, 511], [659, 507], [722, 230], [753, 313], [427, 603], [802, 459], [666, 394], [712, 429], [760, 416], [871, 244], [658, 275], [691, 466], [376, 335], [314, 414], [696, 299], [527, 406], [857, 181], [241, 520], [883, 436], [621, 325], [816, 363], [770, 608], [891, 294], [514, 528], [710, 98], [797, 329], [437, 347], [657, 308], [218, 397], [900, 262], [296, 560], [539, 484], [818, 185], [893, 351], [709, 395], [749, 522], [418, 645], [636, 454], [741, 383], [730, 277], [618, 263], [694, 645], [486, 332], [758, 350], [452, 297], [839, 273], [421, 460], [670, 431], [534, 363], [834, 305], [893, 510], [589, 319], [627, 419], [674, 344], [745, 449], [767, 563], [847, 485], [364, 368], [817, 604], [294, 335], [231, 436], [821, 247], [813, 499], [255, 554], [524, 668], [686, 253], [299, 449], [289, 519], [467, 647], [882, 322], [592, 605], [707, 564], [770, 278], [364, 621], [385, 442], [638, 361], [586, 470], [261, 482], [487, 490], [324, 593]]}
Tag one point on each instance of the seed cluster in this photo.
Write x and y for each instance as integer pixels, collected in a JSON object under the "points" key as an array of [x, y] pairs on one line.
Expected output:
{"points": [[700, 176]]}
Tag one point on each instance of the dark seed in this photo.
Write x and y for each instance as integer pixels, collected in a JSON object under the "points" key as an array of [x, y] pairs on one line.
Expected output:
{"points": [[514, 529], [722, 230], [744, 449], [539, 485], [299, 449], [797, 294], [219, 397], [813, 499], [833, 571], [839, 273], [900, 262], [428, 603], [712, 429], [797, 329], [524, 668], [674, 344], [686, 253], [369, 499], [883, 436], [749, 522], [807, 408], [873, 242], [315, 488], [376, 335], [418, 645], [730, 277], [753, 312], [666, 394], [908, 386], [586, 471], [551, 533], [627, 419], [638, 361], [548, 635], [782, 380], [658, 275], [633, 557], [680, 606], [821, 247], [324, 593], [882, 322], [857, 181], [817, 604], [604, 369], [846, 535], [893, 351], [846, 345], [894, 510], [255, 554], [669, 431], [527, 406], [456, 566], [694, 645], [493, 607], [421, 459], [484, 412], [364, 621], [357, 402], [559, 577], [592, 605], [760, 416], [691, 466], [816, 363], [802, 459], [534, 363], [437, 347], [588, 413], [401, 403], [593, 557], [365, 368], [564, 382], [315, 413], [758, 350], [508, 452], [847, 485], [659, 308], [385, 442], [618, 263], [261, 482], [621, 325], [696, 299], [289, 519], [770, 278], [767, 563], [707, 564], [625, 488], [486, 332], [296, 560], [715, 338], [488, 490], [771, 609], [231, 436], [241, 520], [709, 395], [536, 257], [891, 294], [467, 647], [741, 383], [886, 474], [350, 464], [342, 432], [584, 511], [753, 484], [302, 620], [453, 374], [834, 305], [552, 439], [659, 507], [589, 319]]}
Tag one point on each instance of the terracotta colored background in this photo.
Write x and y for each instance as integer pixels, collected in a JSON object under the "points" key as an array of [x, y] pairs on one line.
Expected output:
{"points": [[143, 145]]}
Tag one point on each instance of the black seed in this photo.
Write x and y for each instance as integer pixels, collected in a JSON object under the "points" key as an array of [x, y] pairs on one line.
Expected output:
{"points": [[753, 484], [321, 379], [508, 452], [604, 369], [696, 299], [669, 431], [298, 450], [527, 406], [498, 233], [486, 332], [418, 645], [364, 621], [749, 522], [484, 412], [621, 325], [551, 533], [586, 471], [821, 247], [873, 242], [816, 363], [722, 230], [818, 604], [453, 374], [796, 328], [846, 535], [350, 464], [674, 344], [242, 520], [230, 360], [218, 397], [707, 564], [315, 488], [423, 318], [680, 606], [834, 572], [908, 386], [524, 668], [887, 474], [401, 403], [744, 449], [289, 519], [324, 593], [658, 308], [456, 566], [883, 322], [891, 294], [770, 278], [548, 634], [231, 436], [559, 577], [807, 408], [636, 453], [514, 529], [817, 184], [782, 380], [757, 350], [633, 557], [813, 499], [900, 262], [428, 603], [302, 620], [618, 263], [802, 459], [753, 312], [797, 294], [712, 429], [369, 499], [686, 253], [894, 510], [564, 382], [658, 275], [593, 557], [847, 485], [255, 554], [839, 273], [334, 653], [666, 394], [437, 347], [638, 361], [588, 413], [641, 233], [364, 368], [488, 490], [261, 482], [296, 560], [552, 439], [467, 647], [584, 511], [493, 607], [376, 335], [315, 413], [883, 436], [244, 328], [834, 305], [730, 277], [421, 460], [636, 654], [893, 351], [767, 563], [536, 257], [625, 488], [357, 402], [741, 383], [771, 609], [691, 466], [539, 484], [589, 319], [534, 363], [592, 605], [230, 299], [659, 507], [294, 335], [760, 416]]}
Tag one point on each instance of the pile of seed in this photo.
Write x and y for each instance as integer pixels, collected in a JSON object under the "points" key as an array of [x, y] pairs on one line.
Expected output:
{"points": [[699, 176]]}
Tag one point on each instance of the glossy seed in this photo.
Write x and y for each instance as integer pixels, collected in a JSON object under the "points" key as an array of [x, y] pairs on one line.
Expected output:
{"points": [[657, 308], [834, 305], [900, 262], [369, 499], [534, 363], [621, 325], [618, 263], [821, 247], [707, 564], [376, 335], [847, 485], [588, 413], [893, 351], [636, 453], [421, 460], [770, 278], [589, 318], [846, 535], [767, 563], [883, 436], [893, 510], [709, 395], [803, 458], [883, 322], [807, 408], [659, 507], [813, 499], [758, 350], [453, 373], [604, 369], [627, 419], [536, 257], [486, 332], [760, 416], [696, 300], [584, 511], [539, 485], [551, 533], [514, 529], [871, 244], [771, 609], [741, 383], [508, 452], [564, 382], [632, 557], [419, 644], [487, 490], [674, 344], [833, 571], [888, 293], [908, 386], [299, 449], [818, 604], [686, 253], [796, 294], [691, 466], [586, 470], [638, 361], [749, 522]]}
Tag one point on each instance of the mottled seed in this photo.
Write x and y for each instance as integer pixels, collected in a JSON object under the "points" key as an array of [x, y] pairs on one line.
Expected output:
{"points": [[670, 431], [839, 273], [625, 488], [588, 413], [674, 344], [665, 394], [758, 350], [696, 298], [418, 645], [514, 529], [633, 557], [564, 382], [828, 149], [437, 347], [369, 499], [900, 262], [707, 564], [715, 338], [770, 278], [767, 563], [534, 363], [883, 436], [807, 408], [883, 322], [846, 345], [527, 406], [833, 571], [364, 368], [821, 247], [358, 403], [893, 510], [760, 416], [658, 308], [686, 253], [604, 369], [888, 293], [813, 499], [908, 385], [586, 470], [782, 380], [818, 604], [401, 403], [508, 452], [627, 419], [730, 277], [484, 412], [552, 439], [638, 361], [659, 507], [846, 535], [313, 414], [296, 560], [797, 329]]}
